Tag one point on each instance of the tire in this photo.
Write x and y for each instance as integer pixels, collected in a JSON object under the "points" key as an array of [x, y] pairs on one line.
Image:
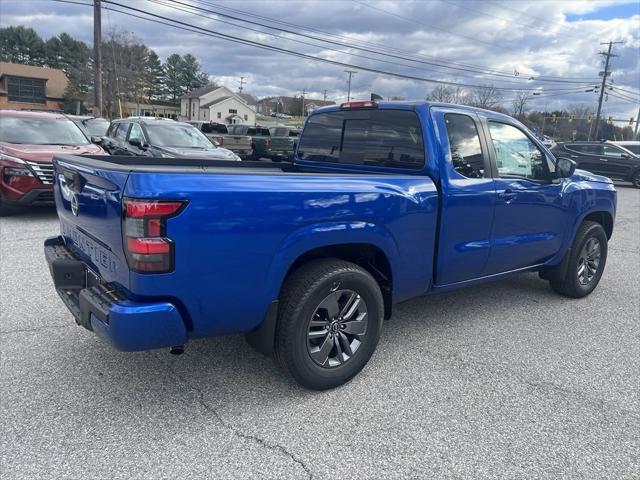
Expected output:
{"points": [[635, 179], [582, 275], [308, 298]]}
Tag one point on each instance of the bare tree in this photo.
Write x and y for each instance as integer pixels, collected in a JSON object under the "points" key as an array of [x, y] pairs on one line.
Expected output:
{"points": [[486, 96], [519, 103], [445, 94]]}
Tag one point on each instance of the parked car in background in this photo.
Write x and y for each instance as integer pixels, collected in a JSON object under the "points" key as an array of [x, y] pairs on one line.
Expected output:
{"points": [[548, 142], [282, 142], [93, 127], [603, 158], [259, 139], [28, 141], [384, 202], [161, 137], [632, 145], [219, 133]]}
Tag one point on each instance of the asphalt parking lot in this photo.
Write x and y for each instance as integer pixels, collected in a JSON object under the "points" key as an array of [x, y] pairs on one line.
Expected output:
{"points": [[506, 380]]}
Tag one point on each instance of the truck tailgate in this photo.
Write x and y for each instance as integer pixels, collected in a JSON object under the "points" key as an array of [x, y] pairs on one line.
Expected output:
{"points": [[89, 204]]}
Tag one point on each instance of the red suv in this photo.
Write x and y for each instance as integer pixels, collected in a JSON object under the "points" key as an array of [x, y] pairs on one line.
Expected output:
{"points": [[28, 141]]}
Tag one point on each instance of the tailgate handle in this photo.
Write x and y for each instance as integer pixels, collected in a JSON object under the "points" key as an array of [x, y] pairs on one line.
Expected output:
{"points": [[74, 181]]}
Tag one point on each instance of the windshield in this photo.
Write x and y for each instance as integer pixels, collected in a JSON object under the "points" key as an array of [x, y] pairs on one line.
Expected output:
{"points": [[96, 127], [41, 131], [177, 136]]}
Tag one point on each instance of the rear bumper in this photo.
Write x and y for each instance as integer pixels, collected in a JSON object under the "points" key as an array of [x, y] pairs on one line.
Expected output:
{"points": [[126, 324]]}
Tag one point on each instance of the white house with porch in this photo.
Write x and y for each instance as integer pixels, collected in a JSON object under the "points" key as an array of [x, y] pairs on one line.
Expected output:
{"points": [[216, 104]]}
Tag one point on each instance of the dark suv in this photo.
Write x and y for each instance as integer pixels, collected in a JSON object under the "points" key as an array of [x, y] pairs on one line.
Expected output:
{"points": [[603, 158], [161, 137]]}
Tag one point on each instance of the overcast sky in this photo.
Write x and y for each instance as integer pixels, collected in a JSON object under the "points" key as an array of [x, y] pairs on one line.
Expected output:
{"points": [[503, 43]]}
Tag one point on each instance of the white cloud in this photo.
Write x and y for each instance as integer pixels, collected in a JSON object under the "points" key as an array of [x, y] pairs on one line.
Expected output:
{"points": [[533, 38]]}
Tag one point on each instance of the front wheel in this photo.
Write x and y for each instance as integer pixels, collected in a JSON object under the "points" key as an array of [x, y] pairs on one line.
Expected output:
{"points": [[586, 262], [329, 322]]}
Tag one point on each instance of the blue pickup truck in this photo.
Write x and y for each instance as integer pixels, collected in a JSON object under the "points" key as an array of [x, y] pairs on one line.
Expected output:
{"points": [[383, 202]]}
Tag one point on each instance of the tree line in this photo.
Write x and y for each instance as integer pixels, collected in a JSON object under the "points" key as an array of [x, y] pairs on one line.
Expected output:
{"points": [[130, 70], [574, 123]]}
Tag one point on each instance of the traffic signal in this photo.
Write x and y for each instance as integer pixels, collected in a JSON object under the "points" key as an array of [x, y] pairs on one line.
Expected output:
{"points": [[572, 118], [589, 118], [631, 120], [553, 117], [610, 120]]}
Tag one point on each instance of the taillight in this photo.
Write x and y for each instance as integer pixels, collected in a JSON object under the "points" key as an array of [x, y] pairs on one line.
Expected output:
{"points": [[147, 248]]}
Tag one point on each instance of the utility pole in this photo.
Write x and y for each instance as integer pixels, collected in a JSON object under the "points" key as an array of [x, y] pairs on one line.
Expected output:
{"points": [[635, 133], [241, 84], [350, 72], [97, 59], [303, 94], [605, 74], [324, 98]]}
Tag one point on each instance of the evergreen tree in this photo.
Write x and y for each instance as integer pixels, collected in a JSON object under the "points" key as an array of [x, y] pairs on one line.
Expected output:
{"points": [[155, 76], [192, 75], [21, 45], [173, 78]]}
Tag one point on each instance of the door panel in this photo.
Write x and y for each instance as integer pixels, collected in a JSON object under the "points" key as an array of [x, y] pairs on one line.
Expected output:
{"points": [[617, 165], [468, 197], [528, 225], [529, 220]]}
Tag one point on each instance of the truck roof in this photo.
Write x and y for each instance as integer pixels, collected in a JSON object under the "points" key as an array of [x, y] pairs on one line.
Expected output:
{"points": [[413, 104]]}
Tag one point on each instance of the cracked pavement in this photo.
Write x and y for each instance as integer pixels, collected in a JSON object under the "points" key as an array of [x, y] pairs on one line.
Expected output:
{"points": [[505, 380]]}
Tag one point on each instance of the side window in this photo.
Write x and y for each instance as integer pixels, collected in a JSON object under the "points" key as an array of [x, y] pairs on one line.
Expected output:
{"points": [[516, 154], [381, 138], [464, 143], [121, 131], [136, 132], [610, 151], [588, 149], [321, 138]]}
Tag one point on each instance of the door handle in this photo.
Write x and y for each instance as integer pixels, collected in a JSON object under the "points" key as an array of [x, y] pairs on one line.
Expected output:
{"points": [[508, 195], [604, 159]]}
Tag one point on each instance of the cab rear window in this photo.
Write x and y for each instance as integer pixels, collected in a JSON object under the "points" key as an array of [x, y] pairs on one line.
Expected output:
{"points": [[383, 138]]}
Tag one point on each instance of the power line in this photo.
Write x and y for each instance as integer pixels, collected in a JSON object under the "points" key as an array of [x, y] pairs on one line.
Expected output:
{"points": [[352, 44], [234, 39], [171, 4], [623, 90]]}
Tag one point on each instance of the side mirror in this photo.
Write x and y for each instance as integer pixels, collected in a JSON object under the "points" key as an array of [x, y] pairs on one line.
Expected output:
{"points": [[96, 140], [626, 156], [566, 167], [136, 142]]}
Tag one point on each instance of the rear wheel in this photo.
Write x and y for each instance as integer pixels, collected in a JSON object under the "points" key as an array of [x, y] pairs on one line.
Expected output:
{"points": [[329, 323], [585, 264]]}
